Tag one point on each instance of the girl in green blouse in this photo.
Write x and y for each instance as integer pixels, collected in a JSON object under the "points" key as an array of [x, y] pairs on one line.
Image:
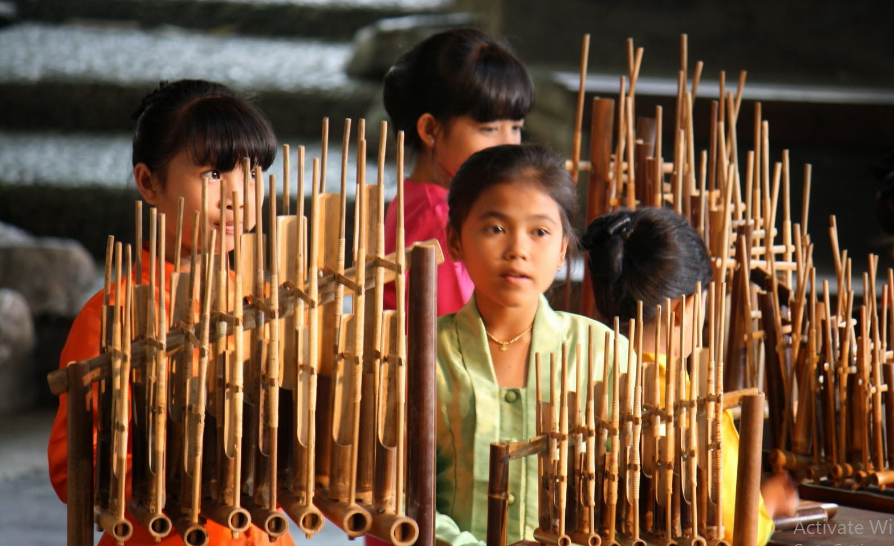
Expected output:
{"points": [[510, 223]]}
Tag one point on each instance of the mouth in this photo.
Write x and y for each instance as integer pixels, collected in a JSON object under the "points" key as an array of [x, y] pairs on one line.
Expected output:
{"points": [[228, 228], [514, 276]]}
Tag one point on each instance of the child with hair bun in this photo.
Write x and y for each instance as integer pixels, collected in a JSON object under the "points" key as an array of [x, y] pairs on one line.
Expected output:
{"points": [[650, 255], [455, 93]]}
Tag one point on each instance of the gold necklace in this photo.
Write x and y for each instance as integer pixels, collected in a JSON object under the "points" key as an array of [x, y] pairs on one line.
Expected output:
{"points": [[504, 344]]}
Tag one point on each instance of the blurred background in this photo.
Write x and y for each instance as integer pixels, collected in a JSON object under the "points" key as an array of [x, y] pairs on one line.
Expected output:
{"points": [[72, 73]]}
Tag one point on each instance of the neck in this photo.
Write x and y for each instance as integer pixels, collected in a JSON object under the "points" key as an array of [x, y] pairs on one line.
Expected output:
{"points": [[424, 169], [505, 323], [650, 345]]}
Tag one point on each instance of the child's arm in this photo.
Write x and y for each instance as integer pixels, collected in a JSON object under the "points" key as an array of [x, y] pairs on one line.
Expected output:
{"points": [[82, 344], [447, 532]]}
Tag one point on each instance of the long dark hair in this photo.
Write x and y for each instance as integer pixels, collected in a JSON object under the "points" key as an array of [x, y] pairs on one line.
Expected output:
{"points": [[453, 73], [520, 163], [646, 255], [215, 125]]}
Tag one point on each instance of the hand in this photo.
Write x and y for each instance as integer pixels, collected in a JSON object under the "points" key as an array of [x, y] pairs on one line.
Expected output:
{"points": [[780, 495]]}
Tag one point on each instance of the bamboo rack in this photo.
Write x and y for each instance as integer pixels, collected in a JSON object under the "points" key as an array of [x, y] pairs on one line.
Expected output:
{"points": [[228, 374]]}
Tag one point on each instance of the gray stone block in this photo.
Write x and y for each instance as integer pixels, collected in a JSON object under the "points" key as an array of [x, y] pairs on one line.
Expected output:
{"points": [[52, 274], [17, 386]]}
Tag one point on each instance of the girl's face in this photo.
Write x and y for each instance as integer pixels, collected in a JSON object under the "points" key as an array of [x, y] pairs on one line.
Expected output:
{"points": [[462, 136], [184, 179], [512, 244]]}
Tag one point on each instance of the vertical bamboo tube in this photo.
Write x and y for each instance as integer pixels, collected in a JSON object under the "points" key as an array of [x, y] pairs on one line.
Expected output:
{"points": [[497, 495], [423, 396], [602, 119], [749, 472], [79, 463]]}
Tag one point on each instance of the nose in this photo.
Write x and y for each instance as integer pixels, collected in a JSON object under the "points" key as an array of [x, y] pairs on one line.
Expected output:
{"points": [[232, 183], [517, 248]]}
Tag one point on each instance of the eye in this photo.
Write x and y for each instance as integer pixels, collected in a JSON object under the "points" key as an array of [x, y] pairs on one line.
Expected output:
{"points": [[489, 128], [212, 174], [541, 232], [495, 229], [518, 126]]}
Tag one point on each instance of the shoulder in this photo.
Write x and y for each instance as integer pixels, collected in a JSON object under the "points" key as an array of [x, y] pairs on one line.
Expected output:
{"points": [[83, 338]]}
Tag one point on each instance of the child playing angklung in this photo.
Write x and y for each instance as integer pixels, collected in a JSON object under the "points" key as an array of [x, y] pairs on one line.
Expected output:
{"points": [[651, 255], [510, 225], [186, 130], [452, 94]]}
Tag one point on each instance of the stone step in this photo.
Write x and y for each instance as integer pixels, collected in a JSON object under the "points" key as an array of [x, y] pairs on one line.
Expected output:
{"points": [[86, 77], [331, 19]]}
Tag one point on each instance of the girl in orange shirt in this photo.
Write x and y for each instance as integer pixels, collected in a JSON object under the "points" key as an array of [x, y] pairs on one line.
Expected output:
{"points": [[186, 130]]}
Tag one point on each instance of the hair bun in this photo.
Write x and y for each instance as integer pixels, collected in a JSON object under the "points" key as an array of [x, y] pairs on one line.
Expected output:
{"points": [[148, 100]]}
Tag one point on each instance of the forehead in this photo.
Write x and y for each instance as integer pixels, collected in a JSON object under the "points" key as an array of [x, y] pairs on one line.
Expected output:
{"points": [[517, 200]]}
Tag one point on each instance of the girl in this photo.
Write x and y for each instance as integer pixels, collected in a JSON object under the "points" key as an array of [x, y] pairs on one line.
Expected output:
{"points": [[510, 224], [453, 94], [186, 130], [650, 255]]}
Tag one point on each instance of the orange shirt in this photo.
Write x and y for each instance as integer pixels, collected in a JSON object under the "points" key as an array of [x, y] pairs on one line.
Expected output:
{"points": [[83, 344]]}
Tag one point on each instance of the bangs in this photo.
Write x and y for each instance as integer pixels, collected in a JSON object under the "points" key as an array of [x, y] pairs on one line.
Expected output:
{"points": [[220, 131], [495, 87]]}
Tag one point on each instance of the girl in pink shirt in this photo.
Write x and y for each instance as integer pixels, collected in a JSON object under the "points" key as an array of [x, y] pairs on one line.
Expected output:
{"points": [[453, 94]]}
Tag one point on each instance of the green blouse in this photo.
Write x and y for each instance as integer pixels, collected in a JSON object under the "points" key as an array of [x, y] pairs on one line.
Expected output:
{"points": [[474, 411]]}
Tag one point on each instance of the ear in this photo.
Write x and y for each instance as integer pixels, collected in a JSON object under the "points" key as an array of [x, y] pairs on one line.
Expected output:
{"points": [[563, 251], [682, 312], [454, 244], [147, 185], [427, 127], [678, 310]]}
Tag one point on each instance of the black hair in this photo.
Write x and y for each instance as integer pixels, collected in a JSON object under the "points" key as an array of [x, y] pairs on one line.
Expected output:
{"points": [[522, 163], [647, 255], [217, 127], [453, 73]]}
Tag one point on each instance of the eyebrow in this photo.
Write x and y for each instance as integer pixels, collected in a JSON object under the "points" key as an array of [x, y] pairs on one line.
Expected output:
{"points": [[500, 216]]}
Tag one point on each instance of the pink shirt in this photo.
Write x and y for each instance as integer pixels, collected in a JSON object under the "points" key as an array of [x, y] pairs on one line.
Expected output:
{"points": [[425, 217]]}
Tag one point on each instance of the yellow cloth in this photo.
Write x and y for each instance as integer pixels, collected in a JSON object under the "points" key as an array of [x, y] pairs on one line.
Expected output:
{"points": [[475, 411], [730, 464]]}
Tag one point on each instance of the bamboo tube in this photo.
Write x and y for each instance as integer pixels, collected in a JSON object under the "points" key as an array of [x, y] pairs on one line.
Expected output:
{"points": [[286, 179], [147, 508], [187, 525], [616, 186], [302, 509], [79, 462], [104, 409], [598, 182], [227, 509], [562, 474], [574, 461], [805, 199], [111, 519], [633, 484], [138, 239], [631, 150], [658, 175], [498, 495], [324, 157], [421, 386], [669, 439], [579, 111], [602, 432], [342, 385], [748, 477], [611, 484]]}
